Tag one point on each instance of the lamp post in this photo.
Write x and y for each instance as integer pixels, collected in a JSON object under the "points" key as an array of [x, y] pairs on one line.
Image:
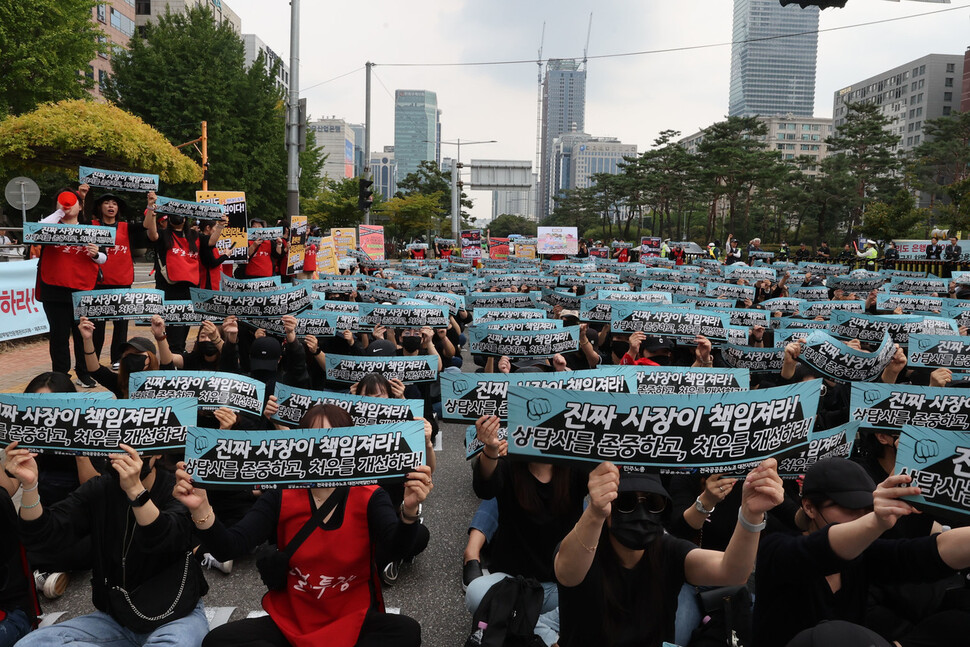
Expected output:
{"points": [[455, 193]]}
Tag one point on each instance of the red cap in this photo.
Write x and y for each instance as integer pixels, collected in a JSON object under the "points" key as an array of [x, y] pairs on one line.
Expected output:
{"points": [[66, 199]]}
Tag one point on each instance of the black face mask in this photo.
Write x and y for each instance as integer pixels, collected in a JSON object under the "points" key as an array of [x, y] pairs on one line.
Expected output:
{"points": [[662, 360], [146, 468], [411, 344], [208, 348], [636, 530], [176, 220], [620, 348], [133, 363]]}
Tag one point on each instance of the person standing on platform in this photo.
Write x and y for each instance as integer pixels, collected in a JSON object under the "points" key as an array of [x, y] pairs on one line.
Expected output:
{"points": [[934, 250], [118, 271]]}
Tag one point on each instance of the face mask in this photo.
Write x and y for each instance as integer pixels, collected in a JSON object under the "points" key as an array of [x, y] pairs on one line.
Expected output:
{"points": [[662, 360], [638, 529], [208, 348], [133, 363], [146, 468], [620, 348], [411, 344], [176, 220]]}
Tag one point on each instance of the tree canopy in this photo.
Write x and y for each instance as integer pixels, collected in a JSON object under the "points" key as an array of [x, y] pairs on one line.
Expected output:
{"points": [[429, 180], [507, 223]]}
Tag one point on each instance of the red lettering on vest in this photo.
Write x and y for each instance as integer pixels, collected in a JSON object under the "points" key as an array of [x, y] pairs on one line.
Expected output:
{"points": [[68, 266], [119, 269], [181, 263]]}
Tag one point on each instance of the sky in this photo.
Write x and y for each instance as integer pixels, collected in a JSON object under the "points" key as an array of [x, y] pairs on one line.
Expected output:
{"points": [[632, 98]]}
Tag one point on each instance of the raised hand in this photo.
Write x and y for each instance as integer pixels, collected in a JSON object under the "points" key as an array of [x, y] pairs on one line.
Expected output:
{"points": [[21, 463], [762, 491], [886, 501], [604, 484], [193, 498]]}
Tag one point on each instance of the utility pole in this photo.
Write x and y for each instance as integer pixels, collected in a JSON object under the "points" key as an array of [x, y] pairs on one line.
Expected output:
{"points": [[205, 157], [455, 202], [293, 125], [367, 175]]}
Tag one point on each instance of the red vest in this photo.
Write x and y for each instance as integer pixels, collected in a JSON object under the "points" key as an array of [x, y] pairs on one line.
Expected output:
{"points": [[310, 259], [68, 266], [419, 254], [261, 263], [119, 269], [284, 258], [624, 255], [328, 588], [209, 277], [181, 264]]}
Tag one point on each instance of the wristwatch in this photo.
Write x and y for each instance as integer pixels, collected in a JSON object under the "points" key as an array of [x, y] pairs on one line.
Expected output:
{"points": [[141, 499], [752, 527], [700, 507], [407, 517]]}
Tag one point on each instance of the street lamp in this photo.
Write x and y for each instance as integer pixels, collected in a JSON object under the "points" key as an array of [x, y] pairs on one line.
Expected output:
{"points": [[455, 193]]}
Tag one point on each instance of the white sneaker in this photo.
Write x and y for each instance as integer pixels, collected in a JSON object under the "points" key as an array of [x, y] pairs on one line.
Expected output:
{"points": [[52, 585], [211, 562]]}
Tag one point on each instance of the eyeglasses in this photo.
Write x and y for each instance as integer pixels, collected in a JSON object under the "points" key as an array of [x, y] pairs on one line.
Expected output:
{"points": [[627, 502]]}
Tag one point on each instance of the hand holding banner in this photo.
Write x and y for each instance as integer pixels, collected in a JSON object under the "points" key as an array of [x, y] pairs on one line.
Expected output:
{"points": [[835, 360]]}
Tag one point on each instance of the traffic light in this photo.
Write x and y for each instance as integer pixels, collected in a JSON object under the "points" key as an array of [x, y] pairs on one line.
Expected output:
{"points": [[365, 195], [821, 4]]}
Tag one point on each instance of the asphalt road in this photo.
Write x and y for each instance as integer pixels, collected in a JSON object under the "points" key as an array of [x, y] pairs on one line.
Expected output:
{"points": [[429, 590]]}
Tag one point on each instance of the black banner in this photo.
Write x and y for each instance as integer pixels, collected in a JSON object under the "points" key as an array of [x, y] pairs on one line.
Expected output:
{"points": [[255, 306], [118, 304], [410, 370], [294, 403], [212, 390]]}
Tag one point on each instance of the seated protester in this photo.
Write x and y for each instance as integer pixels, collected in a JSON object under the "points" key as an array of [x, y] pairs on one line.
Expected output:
{"points": [[59, 476], [839, 633], [802, 253], [619, 573], [825, 572], [314, 608], [18, 599], [139, 354], [650, 350], [538, 503], [586, 357], [419, 342], [210, 353], [145, 584]]}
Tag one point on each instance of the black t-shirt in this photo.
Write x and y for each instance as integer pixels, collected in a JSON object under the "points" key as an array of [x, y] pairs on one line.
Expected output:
{"points": [[792, 593], [15, 592], [647, 620]]}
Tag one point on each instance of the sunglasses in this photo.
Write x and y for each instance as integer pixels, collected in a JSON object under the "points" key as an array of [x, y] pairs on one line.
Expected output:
{"points": [[627, 502]]}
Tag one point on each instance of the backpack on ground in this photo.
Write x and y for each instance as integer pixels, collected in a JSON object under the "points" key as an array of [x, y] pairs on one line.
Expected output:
{"points": [[510, 609]]}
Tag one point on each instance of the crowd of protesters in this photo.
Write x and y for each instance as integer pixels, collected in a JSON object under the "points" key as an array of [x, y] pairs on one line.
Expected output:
{"points": [[613, 557]]}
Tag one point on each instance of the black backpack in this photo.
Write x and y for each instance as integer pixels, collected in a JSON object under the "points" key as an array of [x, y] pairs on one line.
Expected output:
{"points": [[510, 609], [729, 624]]}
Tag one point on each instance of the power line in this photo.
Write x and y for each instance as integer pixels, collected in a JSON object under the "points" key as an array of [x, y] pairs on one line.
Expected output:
{"points": [[310, 87], [687, 48]]}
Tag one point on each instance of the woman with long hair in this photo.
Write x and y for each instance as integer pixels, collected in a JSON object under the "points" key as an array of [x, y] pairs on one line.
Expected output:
{"points": [[118, 271], [332, 595], [138, 354]]}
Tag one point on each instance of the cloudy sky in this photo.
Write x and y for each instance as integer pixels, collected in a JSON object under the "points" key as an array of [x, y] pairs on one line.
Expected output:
{"points": [[632, 98]]}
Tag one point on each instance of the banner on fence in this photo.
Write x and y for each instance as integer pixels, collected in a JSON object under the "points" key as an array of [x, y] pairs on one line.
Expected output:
{"points": [[21, 315]]}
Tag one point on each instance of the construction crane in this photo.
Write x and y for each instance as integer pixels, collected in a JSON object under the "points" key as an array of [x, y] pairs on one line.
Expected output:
{"points": [[536, 174], [588, 31]]}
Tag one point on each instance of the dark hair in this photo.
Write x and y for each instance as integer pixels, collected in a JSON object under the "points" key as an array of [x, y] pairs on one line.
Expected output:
{"points": [[81, 216], [334, 415], [526, 489], [372, 383], [153, 365], [649, 595], [56, 382]]}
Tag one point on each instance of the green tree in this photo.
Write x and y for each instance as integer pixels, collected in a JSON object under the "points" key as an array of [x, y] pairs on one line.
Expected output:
{"points": [[413, 215], [429, 179], [868, 145], [190, 68], [45, 49], [335, 205], [507, 223], [898, 218], [941, 164]]}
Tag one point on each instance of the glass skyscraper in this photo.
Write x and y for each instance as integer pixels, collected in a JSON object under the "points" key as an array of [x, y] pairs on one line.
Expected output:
{"points": [[773, 76], [563, 111], [415, 129]]}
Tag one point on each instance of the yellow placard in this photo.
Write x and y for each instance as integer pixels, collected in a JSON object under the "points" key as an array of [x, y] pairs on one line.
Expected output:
{"points": [[233, 242]]}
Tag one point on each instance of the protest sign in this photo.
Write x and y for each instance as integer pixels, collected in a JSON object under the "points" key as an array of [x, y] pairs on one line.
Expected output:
{"points": [[486, 315], [526, 324], [335, 457], [378, 294], [650, 245], [234, 241], [686, 289], [467, 396], [294, 403], [471, 244], [336, 306], [296, 252], [890, 406], [730, 291], [523, 343], [784, 305], [661, 320], [330, 285], [939, 351], [557, 240], [568, 300], [870, 328], [327, 256], [756, 360], [68, 425], [117, 304], [501, 300], [410, 370], [851, 284], [344, 239], [836, 442], [824, 309], [212, 390], [830, 357], [910, 302], [810, 293], [705, 302], [745, 318], [117, 180], [568, 281], [902, 284], [735, 272], [188, 209], [21, 315], [257, 305], [181, 313], [37, 233], [710, 431], [260, 284], [454, 302], [498, 248], [939, 463], [372, 241], [823, 269], [319, 323], [259, 234], [784, 323], [684, 380], [404, 316]]}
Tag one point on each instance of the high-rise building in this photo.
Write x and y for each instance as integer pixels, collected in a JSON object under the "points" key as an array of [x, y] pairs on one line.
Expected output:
{"points": [[965, 101], [575, 157], [336, 138], [437, 138], [563, 111], [516, 203], [358, 130], [415, 129], [383, 169], [252, 46], [146, 10], [909, 95], [116, 18], [773, 76]]}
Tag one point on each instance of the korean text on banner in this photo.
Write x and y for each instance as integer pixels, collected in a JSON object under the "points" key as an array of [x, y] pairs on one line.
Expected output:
{"points": [[20, 314], [234, 241], [372, 241]]}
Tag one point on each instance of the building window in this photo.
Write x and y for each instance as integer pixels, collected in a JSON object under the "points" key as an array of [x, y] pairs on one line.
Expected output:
{"points": [[915, 139], [909, 141], [946, 111], [122, 23], [101, 13], [948, 96], [90, 72], [102, 75], [922, 69], [143, 7], [950, 68], [948, 82]]}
